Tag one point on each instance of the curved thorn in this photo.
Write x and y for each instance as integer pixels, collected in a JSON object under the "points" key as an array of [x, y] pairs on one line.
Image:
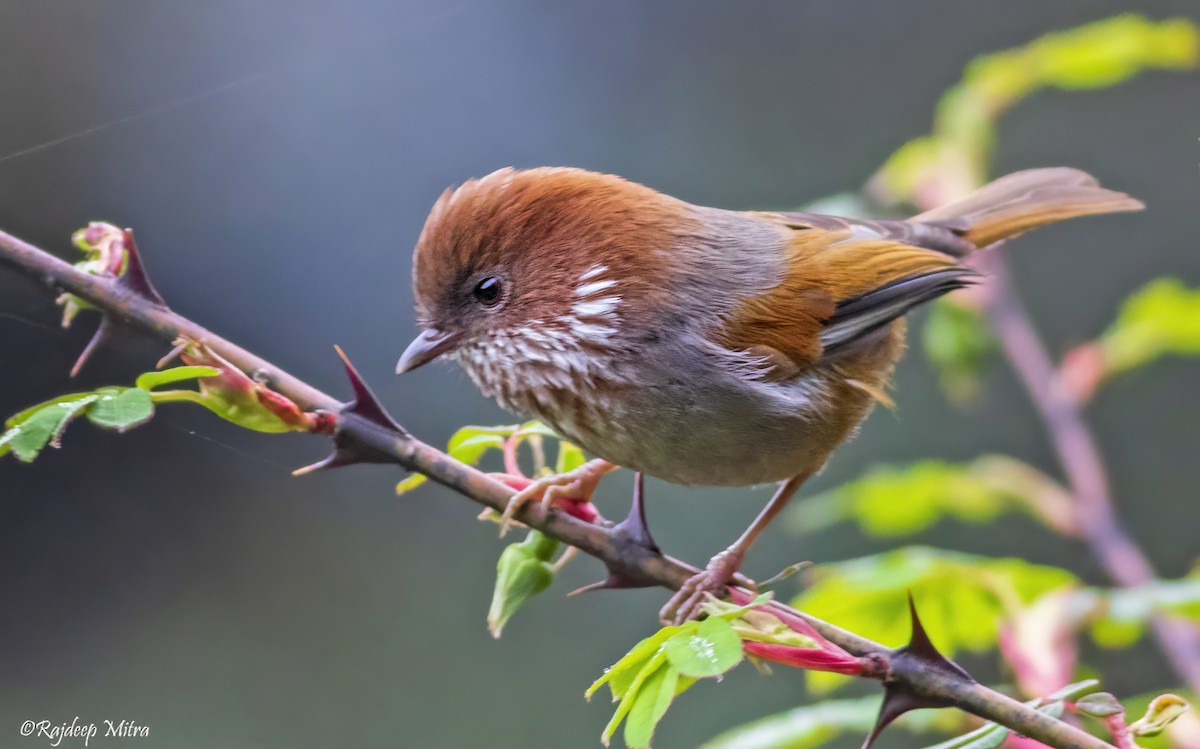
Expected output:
{"points": [[364, 403], [342, 455], [895, 703], [634, 525], [614, 581], [922, 648], [103, 335], [135, 277]]}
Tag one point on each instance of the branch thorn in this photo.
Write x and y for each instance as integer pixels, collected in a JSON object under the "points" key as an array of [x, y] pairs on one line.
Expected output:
{"points": [[135, 278], [634, 525], [365, 404], [104, 335], [898, 698], [634, 531], [367, 407]]}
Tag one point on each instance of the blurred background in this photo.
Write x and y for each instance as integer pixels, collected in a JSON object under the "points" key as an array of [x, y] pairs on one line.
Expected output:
{"points": [[277, 161]]}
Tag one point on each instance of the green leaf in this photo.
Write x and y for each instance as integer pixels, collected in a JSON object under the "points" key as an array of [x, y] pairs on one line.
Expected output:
{"points": [[1160, 319], [1068, 692], [648, 667], [651, 704], [151, 380], [536, 427], [23, 415], [523, 571], [1099, 705], [44, 426], [961, 597], [410, 483], [621, 674], [709, 649], [468, 444], [570, 457], [121, 408], [1163, 710], [1139, 705]]}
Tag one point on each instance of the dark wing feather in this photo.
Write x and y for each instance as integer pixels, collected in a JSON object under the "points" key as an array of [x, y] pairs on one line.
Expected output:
{"points": [[862, 315]]}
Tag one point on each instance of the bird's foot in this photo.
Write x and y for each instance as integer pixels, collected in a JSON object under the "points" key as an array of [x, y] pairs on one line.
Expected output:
{"points": [[712, 581], [573, 486]]}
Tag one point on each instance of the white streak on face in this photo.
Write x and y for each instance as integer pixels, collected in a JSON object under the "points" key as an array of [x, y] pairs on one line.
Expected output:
{"points": [[592, 272], [596, 308], [594, 287], [589, 330]]}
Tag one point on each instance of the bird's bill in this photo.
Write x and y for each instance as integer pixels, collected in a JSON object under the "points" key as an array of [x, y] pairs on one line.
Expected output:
{"points": [[425, 348]]}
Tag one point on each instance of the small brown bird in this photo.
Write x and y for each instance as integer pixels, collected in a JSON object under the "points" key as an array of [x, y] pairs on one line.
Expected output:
{"points": [[699, 345]]}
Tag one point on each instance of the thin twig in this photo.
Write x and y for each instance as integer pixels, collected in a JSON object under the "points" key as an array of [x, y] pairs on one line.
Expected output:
{"points": [[607, 544], [1120, 556]]}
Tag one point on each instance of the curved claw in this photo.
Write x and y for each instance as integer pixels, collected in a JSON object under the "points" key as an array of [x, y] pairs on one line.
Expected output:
{"points": [[577, 485], [686, 603]]}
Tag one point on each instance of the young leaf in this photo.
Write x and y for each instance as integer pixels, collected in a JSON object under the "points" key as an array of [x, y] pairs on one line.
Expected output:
{"points": [[6, 438], [23, 415], [1160, 319], [629, 698], [622, 673], [410, 483], [652, 701], [523, 571], [467, 445], [570, 457], [151, 380], [1099, 705], [121, 408], [44, 426], [536, 427], [708, 649], [1163, 711]]}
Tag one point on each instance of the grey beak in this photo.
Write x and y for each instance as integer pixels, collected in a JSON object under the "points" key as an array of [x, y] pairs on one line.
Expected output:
{"points": [[425, 348]]}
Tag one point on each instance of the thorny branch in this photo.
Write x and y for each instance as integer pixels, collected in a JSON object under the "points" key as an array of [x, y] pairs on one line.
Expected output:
{"points": [[364, 428], [1120, 556]]}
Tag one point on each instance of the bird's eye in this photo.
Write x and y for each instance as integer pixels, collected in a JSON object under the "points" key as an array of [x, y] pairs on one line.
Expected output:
{"points": [[488, 291]]}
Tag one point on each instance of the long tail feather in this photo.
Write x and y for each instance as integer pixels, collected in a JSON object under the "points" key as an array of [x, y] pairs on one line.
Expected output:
{"points": [[1025, 200]]}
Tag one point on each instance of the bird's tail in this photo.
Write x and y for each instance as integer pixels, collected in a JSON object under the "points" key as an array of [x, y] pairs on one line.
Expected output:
{"points": [[1026, 200]]}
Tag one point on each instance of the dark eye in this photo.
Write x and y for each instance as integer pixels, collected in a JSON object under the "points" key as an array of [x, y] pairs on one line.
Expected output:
{"points": [[488, 291]]}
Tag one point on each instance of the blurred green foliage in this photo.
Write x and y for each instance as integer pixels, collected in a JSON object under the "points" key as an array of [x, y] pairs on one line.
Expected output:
{"points": [[932, 490], [1160, 319], [813, 725], [954, 157]]}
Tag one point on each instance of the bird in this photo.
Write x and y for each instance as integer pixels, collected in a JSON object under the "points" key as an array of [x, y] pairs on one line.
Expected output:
{"points": [[698, 345]]}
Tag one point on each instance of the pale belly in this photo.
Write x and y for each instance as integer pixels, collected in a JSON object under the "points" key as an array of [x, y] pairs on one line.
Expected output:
{"points": [[678, 419], [718, 437]]}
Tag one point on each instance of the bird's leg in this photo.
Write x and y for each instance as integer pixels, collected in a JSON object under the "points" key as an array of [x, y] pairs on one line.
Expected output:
{"points": [[712, 580], [578, 485]]}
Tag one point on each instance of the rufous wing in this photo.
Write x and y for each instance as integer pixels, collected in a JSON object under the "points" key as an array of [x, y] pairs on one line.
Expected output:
{"points": [[837, 289]]}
